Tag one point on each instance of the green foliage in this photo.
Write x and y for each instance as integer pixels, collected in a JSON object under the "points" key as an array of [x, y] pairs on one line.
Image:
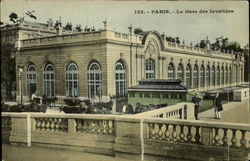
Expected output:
{"points": [[8, 64], [171, 39], [138, 30]]}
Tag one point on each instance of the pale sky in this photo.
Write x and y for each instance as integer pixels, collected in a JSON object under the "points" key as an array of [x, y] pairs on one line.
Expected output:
{"points": [[120, 14]]}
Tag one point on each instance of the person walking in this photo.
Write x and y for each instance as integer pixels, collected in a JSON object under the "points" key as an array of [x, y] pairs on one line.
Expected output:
{"points": [[217, 105], [196, 100]]}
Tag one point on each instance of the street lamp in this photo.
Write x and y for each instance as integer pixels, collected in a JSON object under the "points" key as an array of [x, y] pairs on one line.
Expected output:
{"points": [[20, 70]]}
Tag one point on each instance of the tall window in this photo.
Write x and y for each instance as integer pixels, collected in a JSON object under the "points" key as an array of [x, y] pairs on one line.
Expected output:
{"points": [[208, 76], [235, 73], [222, 75], [94, 80], [72, 81], [188, 75], [226, 75], [202, 77], [49, 80], [218, 75], [31, 80], [180, 72], [150, 69], [120, 79], [230, 75], [242, 76], [213, 76], [195, 76], [170, 71]]}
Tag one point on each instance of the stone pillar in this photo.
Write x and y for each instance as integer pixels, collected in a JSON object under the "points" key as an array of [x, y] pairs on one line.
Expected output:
{"points": [[206, 136]]}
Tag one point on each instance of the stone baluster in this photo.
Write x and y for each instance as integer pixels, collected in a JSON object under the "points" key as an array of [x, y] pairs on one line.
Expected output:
{"points": [[43, 124], [163, 130], [243, 141], [197, 135], [167, 134], [160, 132], [85, 126], [216, 137], [174, 134], [107, 127], [101, 127], [78, 125], [225, 138], [57, 124], [38, 124], [234, 140], [181, 135], [48, 124], [156, 128], [189, 134], [52, 124], [111, 131]]}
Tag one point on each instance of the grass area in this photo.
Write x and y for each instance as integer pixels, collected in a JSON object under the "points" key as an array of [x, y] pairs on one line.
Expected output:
{"points": [[208, 104]]}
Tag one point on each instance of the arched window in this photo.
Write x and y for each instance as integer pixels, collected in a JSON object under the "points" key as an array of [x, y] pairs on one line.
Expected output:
{"points": [[222, 75], [180, 72], [226, 75], [195, 76], [208, 76], [150, 69], [31, 80], [230, 75], [72, 81], [202, 77], [120, 79], [94, 80], [170, 71], [49, 80], [213, 76], [218, 75], [188, 75]]}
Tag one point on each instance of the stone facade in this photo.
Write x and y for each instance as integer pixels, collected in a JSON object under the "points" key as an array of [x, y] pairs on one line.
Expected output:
{"points": [[106, 48]]}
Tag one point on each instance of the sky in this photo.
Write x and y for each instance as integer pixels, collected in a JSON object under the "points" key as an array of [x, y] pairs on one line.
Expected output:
{"points": [[191, 27]]}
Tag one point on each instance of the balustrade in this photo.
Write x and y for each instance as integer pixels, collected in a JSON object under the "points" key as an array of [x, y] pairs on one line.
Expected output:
{"points": [[192, 133], [51, 124], [100, 127], [6, 122]]}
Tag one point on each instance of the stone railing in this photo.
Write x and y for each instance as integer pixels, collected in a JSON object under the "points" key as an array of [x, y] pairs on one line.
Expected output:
{"points": [[195, 50], [197, 132], [51, 124], [177, 111], [81, 37], [129, 137]]}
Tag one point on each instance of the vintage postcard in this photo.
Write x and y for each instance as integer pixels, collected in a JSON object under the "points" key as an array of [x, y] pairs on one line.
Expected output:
{"points": [[125, 80]]}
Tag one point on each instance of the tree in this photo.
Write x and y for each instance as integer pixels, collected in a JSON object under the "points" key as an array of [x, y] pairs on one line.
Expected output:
{"points": [[202, 44], [8, 67], [169, 38], [177, 40], [138, 30]]}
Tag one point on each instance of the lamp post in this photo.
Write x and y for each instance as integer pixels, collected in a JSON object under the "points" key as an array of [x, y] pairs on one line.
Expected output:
{"points": [[20, 70]]}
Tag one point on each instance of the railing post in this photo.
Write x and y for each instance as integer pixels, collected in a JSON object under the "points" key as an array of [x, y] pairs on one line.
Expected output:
{"points": [[71, 126], [185, 112], [206, 136]]}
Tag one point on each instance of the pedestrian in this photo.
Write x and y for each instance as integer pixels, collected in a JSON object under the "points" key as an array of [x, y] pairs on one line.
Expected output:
{"points": [[217, 105], [196, 100], [33, 96]]}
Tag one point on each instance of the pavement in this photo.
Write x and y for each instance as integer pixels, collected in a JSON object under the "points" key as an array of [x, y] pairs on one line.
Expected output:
{"points": [[36, 153], [233, 112]]}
